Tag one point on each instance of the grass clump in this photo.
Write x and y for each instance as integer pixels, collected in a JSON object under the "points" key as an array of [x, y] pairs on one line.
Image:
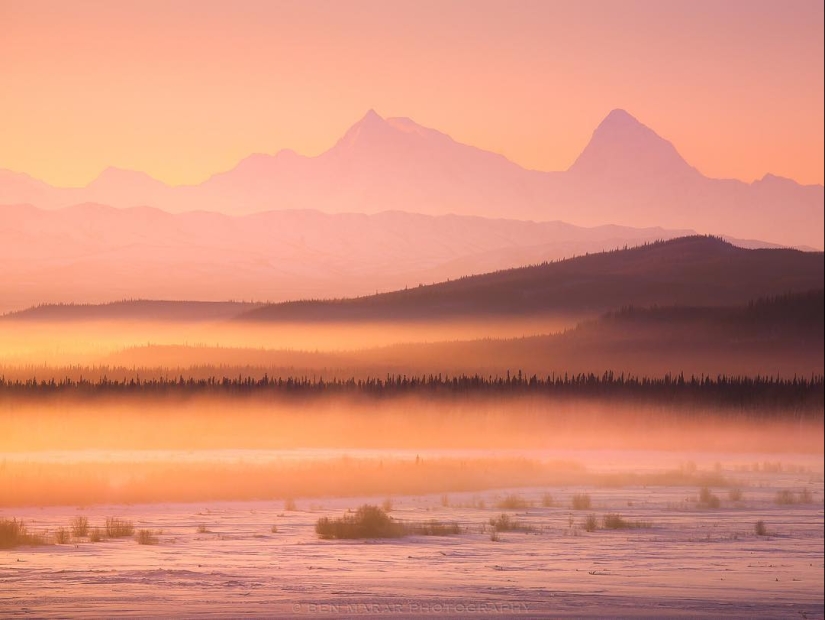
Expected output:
{"points": [[147, 537], [119, 528], [62, 536], [505, 523], [786, 497], [760, 528], [80, 527], [433, 528], [202, 529], [708, 499], [581, 501], [367, 522], [513, 502], [591, 523], [735, 495], [289, 505], [386, 505], [615, 521], [547, 500], [274, 529], [13, 533], [95, 535]]}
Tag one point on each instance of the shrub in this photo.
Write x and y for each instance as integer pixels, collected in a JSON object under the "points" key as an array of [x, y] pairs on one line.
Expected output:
{"points": [[494, 536], [614, 521], [80, 527], [147, 537], [513, 502], [13, 533], [202, 529], [708, 499], [504, 523], [590, 523], [785, 497], [274, 529], [445, 501], [61, 536], [735, 495], [433, 528], [289, 505], [95, 535], [118, 528], [387, 505], [367, 522], [581, 501], [760, 528], [547, 500]]}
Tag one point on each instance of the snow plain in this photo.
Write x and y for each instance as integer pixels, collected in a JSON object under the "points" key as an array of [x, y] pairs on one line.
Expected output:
{"points": [[692, 561]]}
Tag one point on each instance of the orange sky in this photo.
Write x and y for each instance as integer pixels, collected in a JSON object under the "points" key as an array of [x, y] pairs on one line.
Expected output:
{"points": [[184, 88]]}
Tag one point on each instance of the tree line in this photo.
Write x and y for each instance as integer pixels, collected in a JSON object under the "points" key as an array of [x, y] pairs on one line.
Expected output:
{"points": [[800, 394]]}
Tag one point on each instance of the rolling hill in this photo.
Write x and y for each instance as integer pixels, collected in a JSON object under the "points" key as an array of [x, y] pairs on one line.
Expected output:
{"points": [[686, 271]]}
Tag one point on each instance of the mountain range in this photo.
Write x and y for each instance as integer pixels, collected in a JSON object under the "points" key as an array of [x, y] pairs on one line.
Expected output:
{"points": [[627, 175]]}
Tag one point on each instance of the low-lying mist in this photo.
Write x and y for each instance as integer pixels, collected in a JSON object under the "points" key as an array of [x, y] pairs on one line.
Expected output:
{"points": [[517, 421]]}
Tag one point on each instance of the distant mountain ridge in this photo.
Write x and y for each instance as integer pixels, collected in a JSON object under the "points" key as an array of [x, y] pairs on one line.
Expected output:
{"points": [[626, 175]]}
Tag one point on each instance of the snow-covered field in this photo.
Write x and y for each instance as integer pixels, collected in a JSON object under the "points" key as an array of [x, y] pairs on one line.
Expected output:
{"points": [[691, 560]]}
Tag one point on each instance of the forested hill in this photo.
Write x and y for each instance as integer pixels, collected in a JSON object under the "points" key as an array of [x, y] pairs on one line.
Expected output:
{"points": [[689, 271]]}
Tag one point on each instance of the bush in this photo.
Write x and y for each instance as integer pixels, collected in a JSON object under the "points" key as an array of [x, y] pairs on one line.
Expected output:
{"points": [[581, 501], [387, 505], [735, 495], [147, 537], [786, 497], [760, 528], [274, 529], [591, 523], [513, 502], [13, 533], [202, 529], [503, 523], [118, 528], [708, 499], [61, 536], [433, 528], [95, 535], [494, 536], [614, 521], [547, 500], [367, 522], [289, 505], [80, 527]]}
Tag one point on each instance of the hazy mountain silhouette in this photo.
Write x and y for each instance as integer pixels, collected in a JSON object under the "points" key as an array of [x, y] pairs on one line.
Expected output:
{"points": [[626, 175], [94, 253], [684, 271]]}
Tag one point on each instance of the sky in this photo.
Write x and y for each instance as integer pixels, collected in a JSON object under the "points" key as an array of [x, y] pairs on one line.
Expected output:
{"points": [[182, 89]]}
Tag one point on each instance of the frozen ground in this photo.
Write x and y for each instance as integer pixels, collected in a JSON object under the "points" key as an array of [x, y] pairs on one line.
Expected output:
{"points": [[691, 561]]}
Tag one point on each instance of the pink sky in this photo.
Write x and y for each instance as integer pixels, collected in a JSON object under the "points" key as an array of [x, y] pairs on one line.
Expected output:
{"points": [[186, 88]]}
